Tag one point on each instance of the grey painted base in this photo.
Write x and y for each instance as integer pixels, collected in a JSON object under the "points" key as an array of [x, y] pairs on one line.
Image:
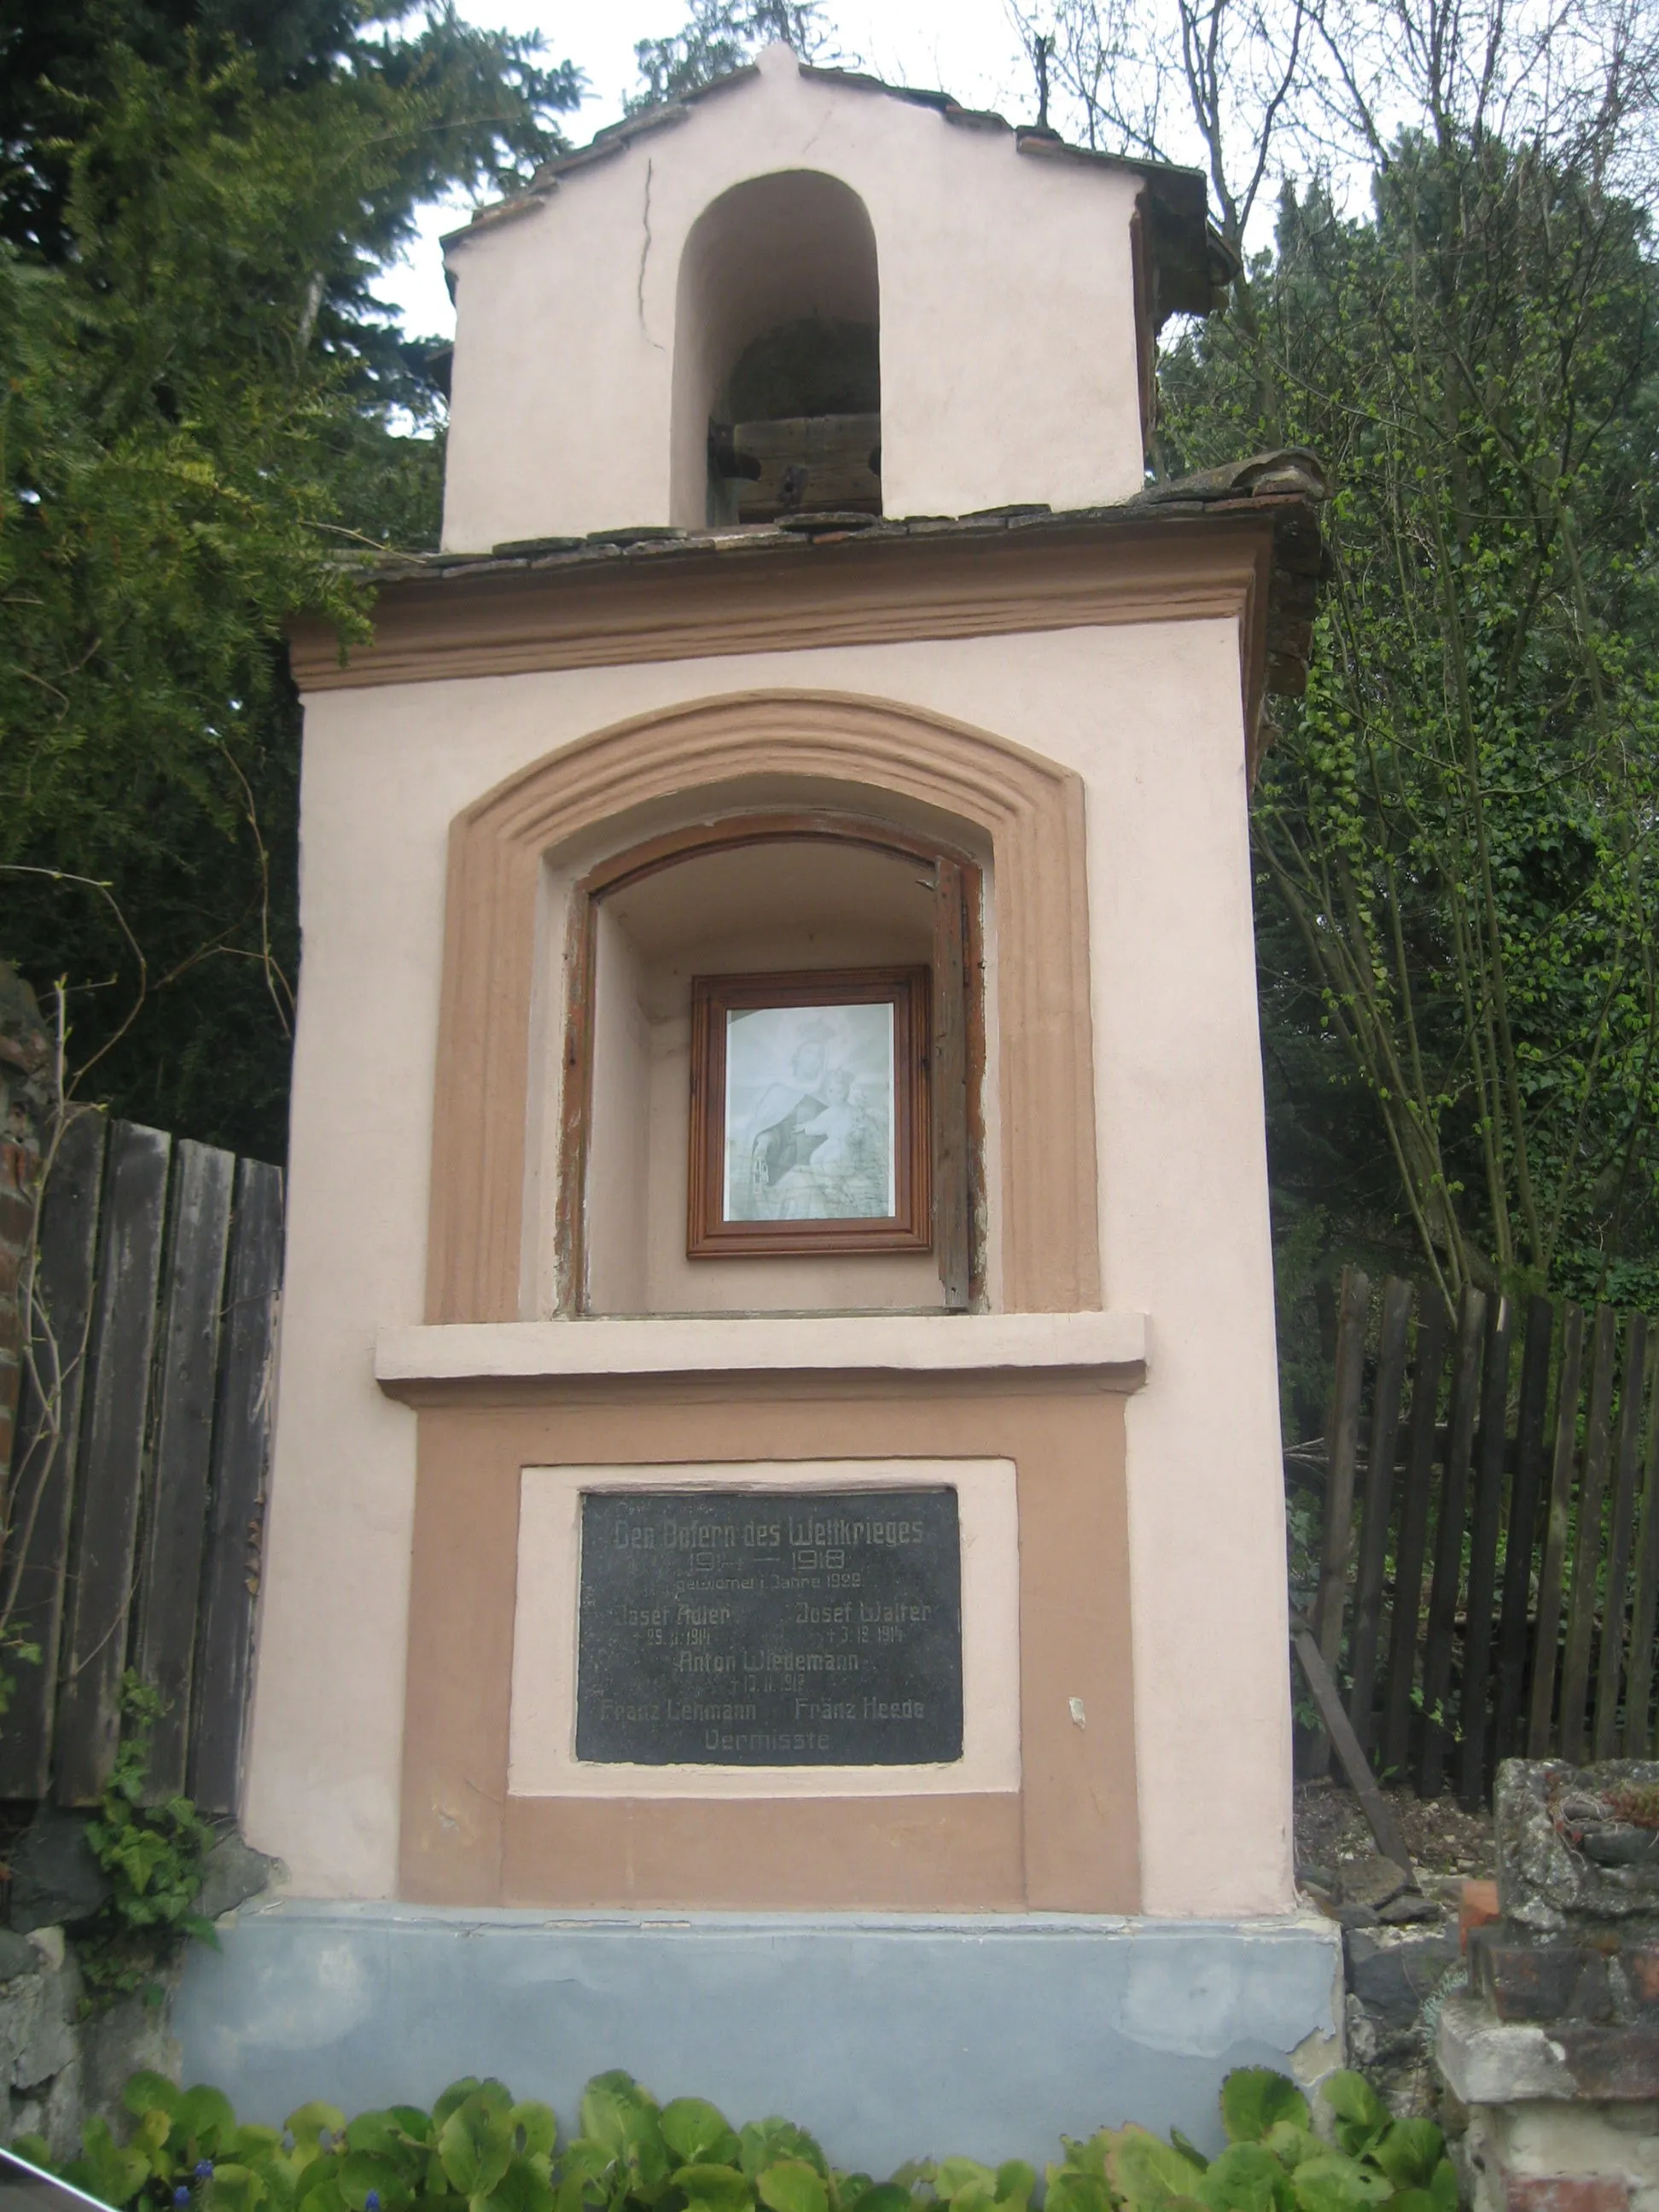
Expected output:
{"points": [[890, 2038]]}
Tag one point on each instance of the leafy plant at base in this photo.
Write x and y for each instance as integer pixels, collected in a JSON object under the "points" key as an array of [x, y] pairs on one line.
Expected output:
{"points": [[154, 1853], [480, 2149], [1273, 2162]]}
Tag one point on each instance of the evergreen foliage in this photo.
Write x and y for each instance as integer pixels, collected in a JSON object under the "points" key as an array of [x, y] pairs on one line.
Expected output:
{"points": [[201, 403], [719, 37]]}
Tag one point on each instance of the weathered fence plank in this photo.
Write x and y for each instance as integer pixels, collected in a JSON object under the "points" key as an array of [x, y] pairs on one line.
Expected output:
{"points": [[1448, 1543], [136, 1507], [1387, 1393], [1640, 1688], [39, 1508], [1546, 1639], [1483, 1552], [1522, 1533], [1383, 1820], [1342, 1430], [1610, 1668], [1433, 1332], [241, 1449], [123, 1341], [1587, 1543], [1542, 1610], [175, 1517]]}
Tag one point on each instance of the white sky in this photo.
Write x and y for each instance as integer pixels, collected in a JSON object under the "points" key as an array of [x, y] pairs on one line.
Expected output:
{"points": [[966, 47]]}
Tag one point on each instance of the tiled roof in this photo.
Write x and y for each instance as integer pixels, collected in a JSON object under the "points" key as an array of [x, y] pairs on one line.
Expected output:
{"points": [[1287, 487]]}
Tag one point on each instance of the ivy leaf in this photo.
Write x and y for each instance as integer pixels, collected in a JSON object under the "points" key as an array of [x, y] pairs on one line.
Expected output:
{"points": [[1333, 2182], [1070, 2191], [1409, 2152], [1246, 2178], [714, 2188], [475, 2146], [698, 2134], [885, 2196], [1015, 2182], [310, 2123], [1256, 2099], [150, 2092], [764, 2141], [234, 2188], [1145, 2172], [792, 2185], [538, 2125], [363, 2172]]}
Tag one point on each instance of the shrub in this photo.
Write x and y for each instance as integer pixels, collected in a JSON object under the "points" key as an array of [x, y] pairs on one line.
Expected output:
{"points": [[480, 2148]]}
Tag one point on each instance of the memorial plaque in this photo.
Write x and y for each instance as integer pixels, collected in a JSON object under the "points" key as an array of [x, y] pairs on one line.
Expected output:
{"points": [[747, 1628]]}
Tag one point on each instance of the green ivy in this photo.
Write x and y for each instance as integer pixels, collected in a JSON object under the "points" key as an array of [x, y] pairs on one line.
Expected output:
{"points": [[153, 1850], [480, 2148]]}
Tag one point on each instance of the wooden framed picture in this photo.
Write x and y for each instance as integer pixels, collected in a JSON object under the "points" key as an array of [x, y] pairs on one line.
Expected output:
{"points": [[811, 1128]]}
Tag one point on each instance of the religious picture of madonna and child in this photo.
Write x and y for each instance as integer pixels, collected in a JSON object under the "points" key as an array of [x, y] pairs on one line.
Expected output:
{"points": [[809, 1113]]}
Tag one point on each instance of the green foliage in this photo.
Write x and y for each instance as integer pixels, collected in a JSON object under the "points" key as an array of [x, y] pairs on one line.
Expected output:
{"points": [[719, 37], [1274, 2160], [153, 1850], [480, 2149], [201, 405], [1456, 832]]}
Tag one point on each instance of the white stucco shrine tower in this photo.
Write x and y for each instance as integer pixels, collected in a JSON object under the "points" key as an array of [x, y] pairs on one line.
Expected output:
{"points": [[775, 1570]]}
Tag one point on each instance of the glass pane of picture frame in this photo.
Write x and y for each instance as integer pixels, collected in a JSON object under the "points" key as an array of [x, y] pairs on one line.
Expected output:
{"points": [[810, 1113]]}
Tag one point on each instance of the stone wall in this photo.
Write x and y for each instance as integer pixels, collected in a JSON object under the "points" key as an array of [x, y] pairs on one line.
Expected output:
{"points": [[1553, 2049], [60, 2068], [63, 2063]]}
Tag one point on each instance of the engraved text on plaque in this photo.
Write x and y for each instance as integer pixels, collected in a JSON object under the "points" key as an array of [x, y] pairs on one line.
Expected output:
{"points": [[745, 1628]]}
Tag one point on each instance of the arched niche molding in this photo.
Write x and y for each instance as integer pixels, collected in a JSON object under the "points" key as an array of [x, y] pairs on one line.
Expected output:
{"points": [[1029, 810]]}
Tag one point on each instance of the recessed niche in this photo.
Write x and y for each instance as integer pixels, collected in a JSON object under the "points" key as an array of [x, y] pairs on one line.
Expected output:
{"points": [[777, 368], [800, 906]]}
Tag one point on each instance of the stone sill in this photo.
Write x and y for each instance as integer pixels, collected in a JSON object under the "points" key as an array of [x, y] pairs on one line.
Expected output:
{"points": [[1112, 1343]]}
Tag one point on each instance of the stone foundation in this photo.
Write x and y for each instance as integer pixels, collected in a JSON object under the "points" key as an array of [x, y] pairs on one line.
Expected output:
{"points": [[889, 2035], [58, 2067], [1554, 2047]]}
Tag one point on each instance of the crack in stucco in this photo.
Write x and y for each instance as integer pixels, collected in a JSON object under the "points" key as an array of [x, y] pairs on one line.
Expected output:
{"points": [[644, 256]]}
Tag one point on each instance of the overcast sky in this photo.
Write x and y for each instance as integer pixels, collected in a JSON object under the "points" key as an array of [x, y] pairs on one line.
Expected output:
{"points": [[967, 47]]}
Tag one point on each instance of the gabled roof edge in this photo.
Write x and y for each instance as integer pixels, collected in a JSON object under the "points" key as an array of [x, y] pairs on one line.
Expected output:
{"points": [[1193, 263]]}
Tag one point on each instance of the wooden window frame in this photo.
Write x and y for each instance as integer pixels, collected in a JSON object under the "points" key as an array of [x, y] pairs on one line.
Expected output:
{"points": [[957, 1056], [909, 1227]]}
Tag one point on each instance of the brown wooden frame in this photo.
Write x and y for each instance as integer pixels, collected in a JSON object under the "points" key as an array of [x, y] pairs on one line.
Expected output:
{"points": [[958, 1020], [909, 1228]]}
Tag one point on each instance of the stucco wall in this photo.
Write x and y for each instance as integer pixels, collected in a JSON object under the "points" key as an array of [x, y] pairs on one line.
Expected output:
{"points": [[1183, 1217], [567, 316]]}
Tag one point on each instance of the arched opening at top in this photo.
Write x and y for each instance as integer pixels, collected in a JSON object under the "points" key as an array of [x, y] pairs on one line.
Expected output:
{"points": [[777, 362]]}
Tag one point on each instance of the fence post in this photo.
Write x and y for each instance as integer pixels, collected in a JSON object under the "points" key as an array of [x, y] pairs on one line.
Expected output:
{"points": [[1386, 1397], [1522, 1536], [28, 1113], [1483, 1553], [1448, 1543], [1342, 1451], [1433, 1327]]}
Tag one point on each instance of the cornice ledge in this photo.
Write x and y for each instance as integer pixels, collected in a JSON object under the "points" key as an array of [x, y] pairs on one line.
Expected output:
{"points": [[778, 1343]]}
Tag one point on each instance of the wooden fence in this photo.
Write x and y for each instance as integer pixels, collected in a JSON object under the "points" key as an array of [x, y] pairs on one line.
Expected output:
{"points": [[1490, 1574], [133, 1522]]}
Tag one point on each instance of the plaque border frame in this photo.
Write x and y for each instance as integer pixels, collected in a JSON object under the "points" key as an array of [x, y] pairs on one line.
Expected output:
{"points": [[541, 1713]]}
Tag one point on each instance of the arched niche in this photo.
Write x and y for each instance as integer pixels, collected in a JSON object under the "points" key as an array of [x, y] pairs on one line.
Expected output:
{"points": [[777, 380], [799, 892], [1027, 809]]}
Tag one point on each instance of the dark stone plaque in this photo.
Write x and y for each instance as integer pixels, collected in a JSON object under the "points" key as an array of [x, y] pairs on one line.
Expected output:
{"points": [[748, 1628]]}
